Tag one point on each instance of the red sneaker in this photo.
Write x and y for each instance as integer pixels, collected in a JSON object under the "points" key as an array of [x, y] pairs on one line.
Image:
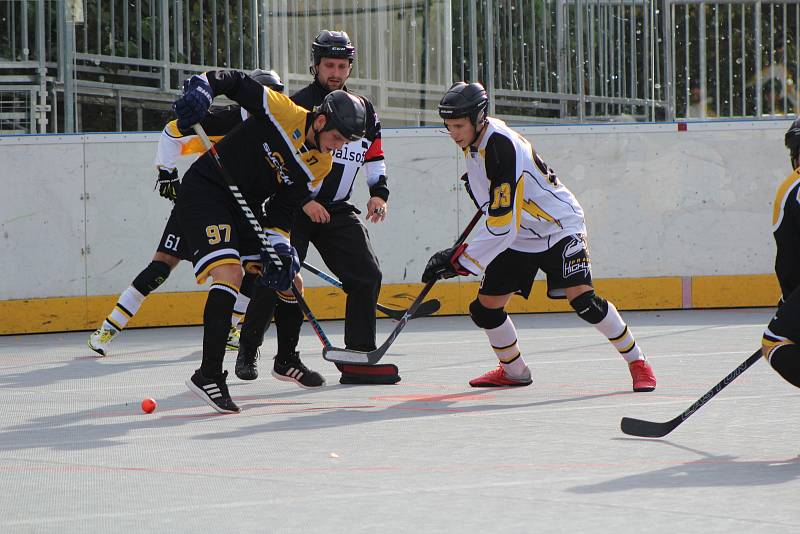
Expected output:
{"points": [[497, 378], [643, 377]]}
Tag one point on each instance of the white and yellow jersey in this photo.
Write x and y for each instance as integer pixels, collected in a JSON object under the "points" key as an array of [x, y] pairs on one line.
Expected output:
{"points": [[527, 208], [174, 143]]}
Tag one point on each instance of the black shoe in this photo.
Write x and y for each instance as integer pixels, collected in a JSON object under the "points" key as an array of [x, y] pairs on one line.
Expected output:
{"points": [[214, 391], [247, 362], [291, 369]]}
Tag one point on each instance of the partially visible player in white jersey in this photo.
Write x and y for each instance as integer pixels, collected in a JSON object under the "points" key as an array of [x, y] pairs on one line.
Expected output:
{"points": [[532, 222]]}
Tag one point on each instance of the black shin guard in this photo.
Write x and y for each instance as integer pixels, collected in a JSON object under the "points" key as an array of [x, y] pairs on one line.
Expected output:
{"points": [[257, 317], [590, 307], [216, 326], [151, 277], [785, 359], [486, 318]]}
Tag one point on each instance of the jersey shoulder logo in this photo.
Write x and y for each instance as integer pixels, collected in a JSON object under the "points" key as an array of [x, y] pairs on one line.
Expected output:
{"points": [[296, 134]]}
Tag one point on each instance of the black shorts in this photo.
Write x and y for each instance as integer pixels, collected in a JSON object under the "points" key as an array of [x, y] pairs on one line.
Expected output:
{"points": [[172, 241], [214, 227], [786, 322], [566, 264]]}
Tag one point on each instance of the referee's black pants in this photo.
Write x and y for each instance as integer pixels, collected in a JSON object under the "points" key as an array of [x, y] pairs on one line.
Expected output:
{"points": [[343, 243]]}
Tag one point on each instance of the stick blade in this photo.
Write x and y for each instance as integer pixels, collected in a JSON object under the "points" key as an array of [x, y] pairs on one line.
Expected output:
{"points": [[645, 429], [429, 307], [337, 355]]}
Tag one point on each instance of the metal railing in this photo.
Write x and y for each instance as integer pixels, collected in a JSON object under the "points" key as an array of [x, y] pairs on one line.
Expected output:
{"points": [[541, 60]]}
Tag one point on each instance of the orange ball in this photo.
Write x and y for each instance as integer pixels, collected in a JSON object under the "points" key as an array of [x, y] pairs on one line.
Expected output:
{"points": [[149, 405]]}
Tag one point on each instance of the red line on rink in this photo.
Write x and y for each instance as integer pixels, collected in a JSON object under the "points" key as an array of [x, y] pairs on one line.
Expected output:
{"points": [[434, 398]]}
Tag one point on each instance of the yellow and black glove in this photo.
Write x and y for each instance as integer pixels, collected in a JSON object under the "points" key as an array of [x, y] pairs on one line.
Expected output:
{"points": [[167, 183]]}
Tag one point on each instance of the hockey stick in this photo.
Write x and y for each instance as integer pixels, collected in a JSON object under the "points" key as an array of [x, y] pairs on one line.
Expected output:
{"points": [[429, 307], [650, 429], [251, 218], [338, 355]]}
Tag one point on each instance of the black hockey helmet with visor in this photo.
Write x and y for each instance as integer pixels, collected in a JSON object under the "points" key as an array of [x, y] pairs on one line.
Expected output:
{"points": [[269, 78], [331, 43], [344, 112], [792, 140], [465, 100]]}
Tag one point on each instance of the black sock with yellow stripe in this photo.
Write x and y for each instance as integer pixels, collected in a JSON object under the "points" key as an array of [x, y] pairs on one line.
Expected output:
{"points": [[216, 326]]}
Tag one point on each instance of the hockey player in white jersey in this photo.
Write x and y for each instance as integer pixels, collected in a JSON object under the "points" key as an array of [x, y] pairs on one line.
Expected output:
{"points": [[533, 222]]}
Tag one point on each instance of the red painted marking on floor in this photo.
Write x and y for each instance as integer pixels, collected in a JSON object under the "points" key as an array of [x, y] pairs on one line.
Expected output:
{"points": [[321, 409], [434, 398]]}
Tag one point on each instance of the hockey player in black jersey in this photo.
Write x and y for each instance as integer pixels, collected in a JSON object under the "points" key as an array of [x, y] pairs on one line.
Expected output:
{"points": [[781, 339], [282, 152], [532, 222], [333, 226], [173, 247]]}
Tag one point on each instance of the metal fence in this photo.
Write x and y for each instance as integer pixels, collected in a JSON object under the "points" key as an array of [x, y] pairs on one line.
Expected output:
{"points": [[117, 64]]}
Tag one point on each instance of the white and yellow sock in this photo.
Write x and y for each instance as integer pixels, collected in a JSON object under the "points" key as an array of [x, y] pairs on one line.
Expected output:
{"points": [[504, 343], [126, 307]]}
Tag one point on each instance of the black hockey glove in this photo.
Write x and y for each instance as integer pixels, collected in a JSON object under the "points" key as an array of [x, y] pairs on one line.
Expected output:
{"points": [[279, 278], [193, 105], [444, 264], [167, 183]]}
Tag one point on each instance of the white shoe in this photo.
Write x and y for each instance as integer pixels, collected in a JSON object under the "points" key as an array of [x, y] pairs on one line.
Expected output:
{"points": [[233, 339], [100, 340]]}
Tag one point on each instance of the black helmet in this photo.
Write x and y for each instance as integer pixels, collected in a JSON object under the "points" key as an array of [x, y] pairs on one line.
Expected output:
{"points": [[269, 78], [792, 139], [464, 100], [344, 112], [334, 44]]}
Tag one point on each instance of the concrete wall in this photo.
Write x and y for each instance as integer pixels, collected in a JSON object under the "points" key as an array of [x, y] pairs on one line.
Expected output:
{"points": [[79, 216]]}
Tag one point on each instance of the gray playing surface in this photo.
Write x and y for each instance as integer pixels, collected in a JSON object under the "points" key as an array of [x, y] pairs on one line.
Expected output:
{"points": [[427, 455]]}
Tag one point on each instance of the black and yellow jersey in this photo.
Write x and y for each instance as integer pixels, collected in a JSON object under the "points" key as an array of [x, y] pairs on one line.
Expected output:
{"points": [[267, 154], [786, 208], [786, 230], [528, 209]]}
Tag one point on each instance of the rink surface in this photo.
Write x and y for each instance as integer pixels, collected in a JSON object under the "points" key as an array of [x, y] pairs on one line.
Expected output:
{"points": [[429, 454]]}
